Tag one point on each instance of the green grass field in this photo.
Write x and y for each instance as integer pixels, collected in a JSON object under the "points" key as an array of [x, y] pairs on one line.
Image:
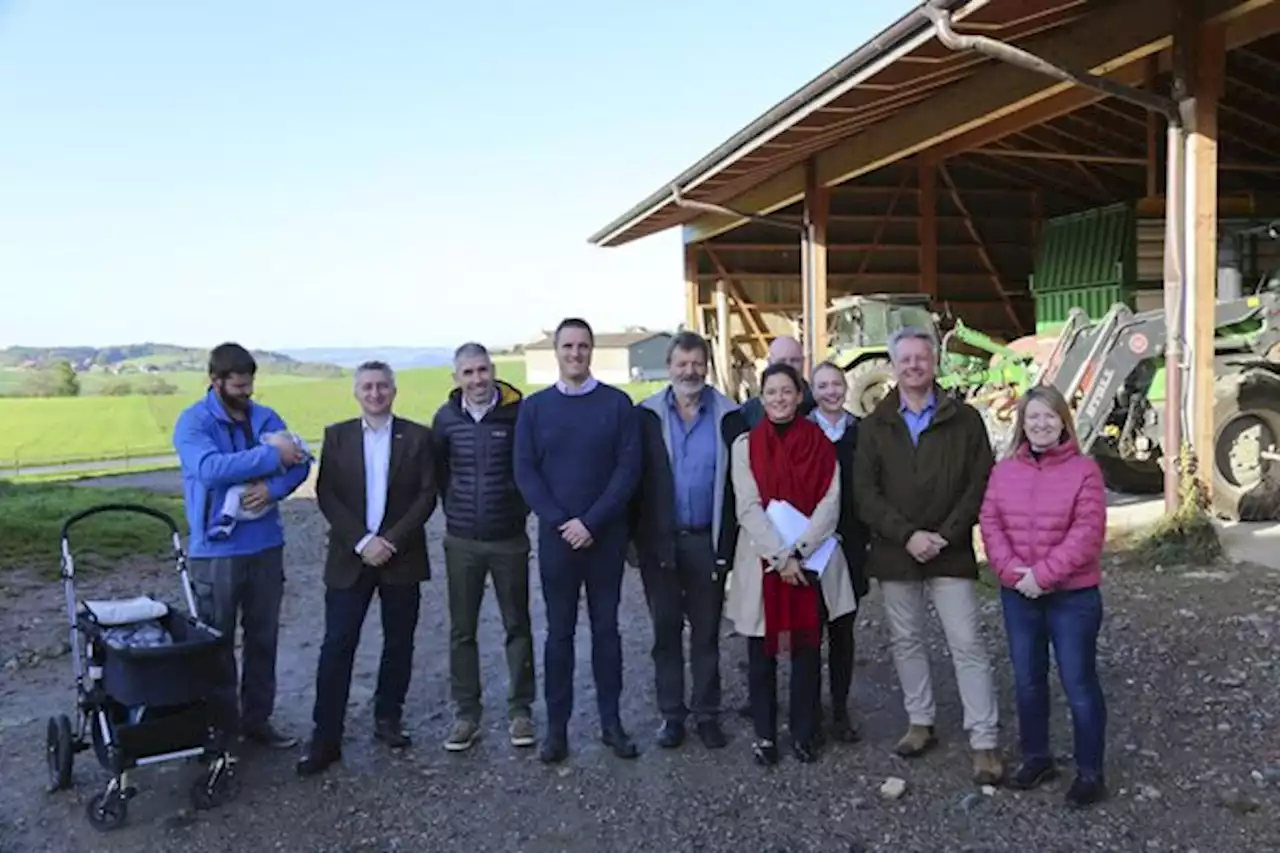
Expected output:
{"points": [[31, 517], [94, 428]]}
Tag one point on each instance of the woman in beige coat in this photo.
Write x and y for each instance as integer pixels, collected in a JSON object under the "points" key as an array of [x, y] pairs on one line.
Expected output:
{"points": [[774, 598]]}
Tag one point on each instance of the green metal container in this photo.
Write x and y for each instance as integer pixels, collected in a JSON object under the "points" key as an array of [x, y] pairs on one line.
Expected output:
{"points": [[1086, 260]]}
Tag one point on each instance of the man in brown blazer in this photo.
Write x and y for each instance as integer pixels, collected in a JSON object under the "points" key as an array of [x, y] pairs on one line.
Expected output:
{"points": [[376, 489]]}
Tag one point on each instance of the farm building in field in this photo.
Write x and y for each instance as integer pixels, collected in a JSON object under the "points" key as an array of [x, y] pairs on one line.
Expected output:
{"points": [[636, 356]]}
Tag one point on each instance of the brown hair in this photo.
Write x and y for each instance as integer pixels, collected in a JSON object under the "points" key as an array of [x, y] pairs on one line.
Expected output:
{"points": [[1051, 397]]}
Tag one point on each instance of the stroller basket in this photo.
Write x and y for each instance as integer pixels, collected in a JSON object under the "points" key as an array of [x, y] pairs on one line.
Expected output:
{"points": [[146, 680], [176, 673]]}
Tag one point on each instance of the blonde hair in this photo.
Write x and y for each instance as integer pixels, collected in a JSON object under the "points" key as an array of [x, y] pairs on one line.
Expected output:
{"points": [[824, 365], [1051, 397]]}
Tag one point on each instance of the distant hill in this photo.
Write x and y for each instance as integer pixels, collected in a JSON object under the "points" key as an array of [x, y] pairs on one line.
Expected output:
{"points": [[151, 358], [400, 358]]}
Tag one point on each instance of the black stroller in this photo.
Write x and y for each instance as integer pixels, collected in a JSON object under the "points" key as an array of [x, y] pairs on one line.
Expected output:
{"points": [[145, 673]]}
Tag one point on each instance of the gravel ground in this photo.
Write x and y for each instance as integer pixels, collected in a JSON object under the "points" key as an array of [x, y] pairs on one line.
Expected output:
{"points": [[1187, 664]]}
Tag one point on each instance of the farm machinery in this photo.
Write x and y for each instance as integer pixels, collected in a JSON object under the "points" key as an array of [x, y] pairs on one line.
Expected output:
{"points": [[1110, 366], [860, 327]]}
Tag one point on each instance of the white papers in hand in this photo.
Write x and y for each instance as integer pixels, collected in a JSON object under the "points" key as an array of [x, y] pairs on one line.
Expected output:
{"points": [[791, 524]]}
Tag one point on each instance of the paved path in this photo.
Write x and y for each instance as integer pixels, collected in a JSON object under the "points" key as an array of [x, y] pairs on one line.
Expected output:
{"points": [[1251, 541], [8, 470]]}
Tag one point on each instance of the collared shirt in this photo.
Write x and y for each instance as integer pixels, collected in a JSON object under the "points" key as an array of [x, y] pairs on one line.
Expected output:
{"points": [[693, 462], [918, 422], [835, 431], [569, 391], [477, 413], [377, 465]]}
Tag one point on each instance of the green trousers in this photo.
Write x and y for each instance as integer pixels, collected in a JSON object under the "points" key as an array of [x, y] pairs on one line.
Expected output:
{"points": [[469, 563]]}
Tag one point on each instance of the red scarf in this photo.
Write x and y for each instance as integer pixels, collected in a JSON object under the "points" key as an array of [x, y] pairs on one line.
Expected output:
{"points": [[797, 467]]}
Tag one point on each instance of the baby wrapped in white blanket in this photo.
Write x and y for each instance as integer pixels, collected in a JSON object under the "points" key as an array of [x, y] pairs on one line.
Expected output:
{"points": [[233, 510]]}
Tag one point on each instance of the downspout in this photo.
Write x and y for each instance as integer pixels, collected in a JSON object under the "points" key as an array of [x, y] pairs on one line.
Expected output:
{"points": [[1175, 229]]}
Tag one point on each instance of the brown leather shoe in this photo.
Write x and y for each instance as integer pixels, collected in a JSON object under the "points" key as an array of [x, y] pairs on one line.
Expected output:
{"points": [[917, 741], [988, 767]]}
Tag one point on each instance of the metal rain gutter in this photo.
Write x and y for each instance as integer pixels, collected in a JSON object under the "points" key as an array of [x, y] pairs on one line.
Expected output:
{"points": [[1175, 226]]}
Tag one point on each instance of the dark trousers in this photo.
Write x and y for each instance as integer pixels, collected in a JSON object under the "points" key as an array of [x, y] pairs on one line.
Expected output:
{"points": [[243, 590], [564, 572], [806, 687], [691, 588], [468, 563], [344, 612], [1070, 621], [840, 654]]}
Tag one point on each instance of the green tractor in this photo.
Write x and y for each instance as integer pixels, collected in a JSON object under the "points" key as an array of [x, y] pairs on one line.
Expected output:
{"points": [[860, 327], [1108, 360]]}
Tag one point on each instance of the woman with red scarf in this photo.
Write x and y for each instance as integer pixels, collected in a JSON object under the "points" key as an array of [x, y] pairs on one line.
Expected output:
{"points": [[773, 599]]}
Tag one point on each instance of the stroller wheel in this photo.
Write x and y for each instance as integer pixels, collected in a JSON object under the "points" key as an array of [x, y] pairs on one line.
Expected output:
{"points": [[217, 788], [107, 811], [60, 750]]}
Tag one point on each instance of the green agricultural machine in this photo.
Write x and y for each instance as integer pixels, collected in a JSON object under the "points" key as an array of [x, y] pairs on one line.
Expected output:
{"points": [[860, 327], [1110, 363], [1099, 298]]}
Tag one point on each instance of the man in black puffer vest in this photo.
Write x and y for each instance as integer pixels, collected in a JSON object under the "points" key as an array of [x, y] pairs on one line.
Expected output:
{"points": [[486, 533]]}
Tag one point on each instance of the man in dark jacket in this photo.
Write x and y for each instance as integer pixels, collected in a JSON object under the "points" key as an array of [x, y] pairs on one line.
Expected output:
{"points": [[682, 522], [921, 470], [376, 489], [487, 534]]}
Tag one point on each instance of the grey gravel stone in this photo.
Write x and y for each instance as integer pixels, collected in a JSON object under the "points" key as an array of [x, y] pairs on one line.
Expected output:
{"points": [[1164, 715]]}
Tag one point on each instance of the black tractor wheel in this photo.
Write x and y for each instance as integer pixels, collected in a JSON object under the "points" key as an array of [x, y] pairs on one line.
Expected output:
{"points": [[1246, 421], [60, 751], [1130, 476], [869, 382]]}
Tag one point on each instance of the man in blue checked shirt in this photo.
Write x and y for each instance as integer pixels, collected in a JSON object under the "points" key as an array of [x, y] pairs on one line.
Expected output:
{"points": [[684, 530]]}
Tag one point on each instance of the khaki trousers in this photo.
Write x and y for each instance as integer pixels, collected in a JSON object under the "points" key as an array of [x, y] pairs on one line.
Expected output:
{"points": [[956, 601]]}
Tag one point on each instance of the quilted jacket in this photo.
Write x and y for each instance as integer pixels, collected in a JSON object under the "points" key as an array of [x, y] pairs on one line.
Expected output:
{"points": [[1046, 512]]}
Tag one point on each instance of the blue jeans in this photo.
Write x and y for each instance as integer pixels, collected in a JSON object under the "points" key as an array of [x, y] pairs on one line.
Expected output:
{"points": [[1071, 621], [564, 573]]}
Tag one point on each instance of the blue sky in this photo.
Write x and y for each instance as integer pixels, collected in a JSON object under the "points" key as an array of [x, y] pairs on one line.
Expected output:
{"points": [[359, 174]]}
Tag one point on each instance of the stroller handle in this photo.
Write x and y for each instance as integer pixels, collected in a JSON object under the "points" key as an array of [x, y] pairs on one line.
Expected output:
{"points": [[137, 509]]}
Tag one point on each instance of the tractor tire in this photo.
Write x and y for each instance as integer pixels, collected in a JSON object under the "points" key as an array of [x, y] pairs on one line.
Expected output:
{"points": [[869, 382], [1246, 424], [1130, 476]]}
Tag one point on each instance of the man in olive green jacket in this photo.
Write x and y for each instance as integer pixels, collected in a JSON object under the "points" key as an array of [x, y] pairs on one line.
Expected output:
{"points": [[921, 470]]}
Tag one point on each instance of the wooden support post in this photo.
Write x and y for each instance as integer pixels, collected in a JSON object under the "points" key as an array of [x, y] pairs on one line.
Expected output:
{"points": [[750, 315], [724, 341], [1153, 133], [928, 227], [1206, 83], [813, 278], [694, 321]]}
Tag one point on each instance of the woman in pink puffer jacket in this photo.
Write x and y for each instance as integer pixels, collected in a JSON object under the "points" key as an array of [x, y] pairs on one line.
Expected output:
{"points": [[1043, 523]]}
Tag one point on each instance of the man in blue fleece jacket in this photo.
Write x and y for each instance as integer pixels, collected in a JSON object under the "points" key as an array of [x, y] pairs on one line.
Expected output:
{"points": [[219, 441], [577, 463]]}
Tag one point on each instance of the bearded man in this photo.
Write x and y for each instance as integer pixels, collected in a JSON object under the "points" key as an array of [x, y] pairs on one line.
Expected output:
{"points": [[684, 526]]}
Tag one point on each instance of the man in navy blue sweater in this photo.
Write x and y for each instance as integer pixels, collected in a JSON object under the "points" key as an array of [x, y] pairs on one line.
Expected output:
{"points": [[577, 465]]}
